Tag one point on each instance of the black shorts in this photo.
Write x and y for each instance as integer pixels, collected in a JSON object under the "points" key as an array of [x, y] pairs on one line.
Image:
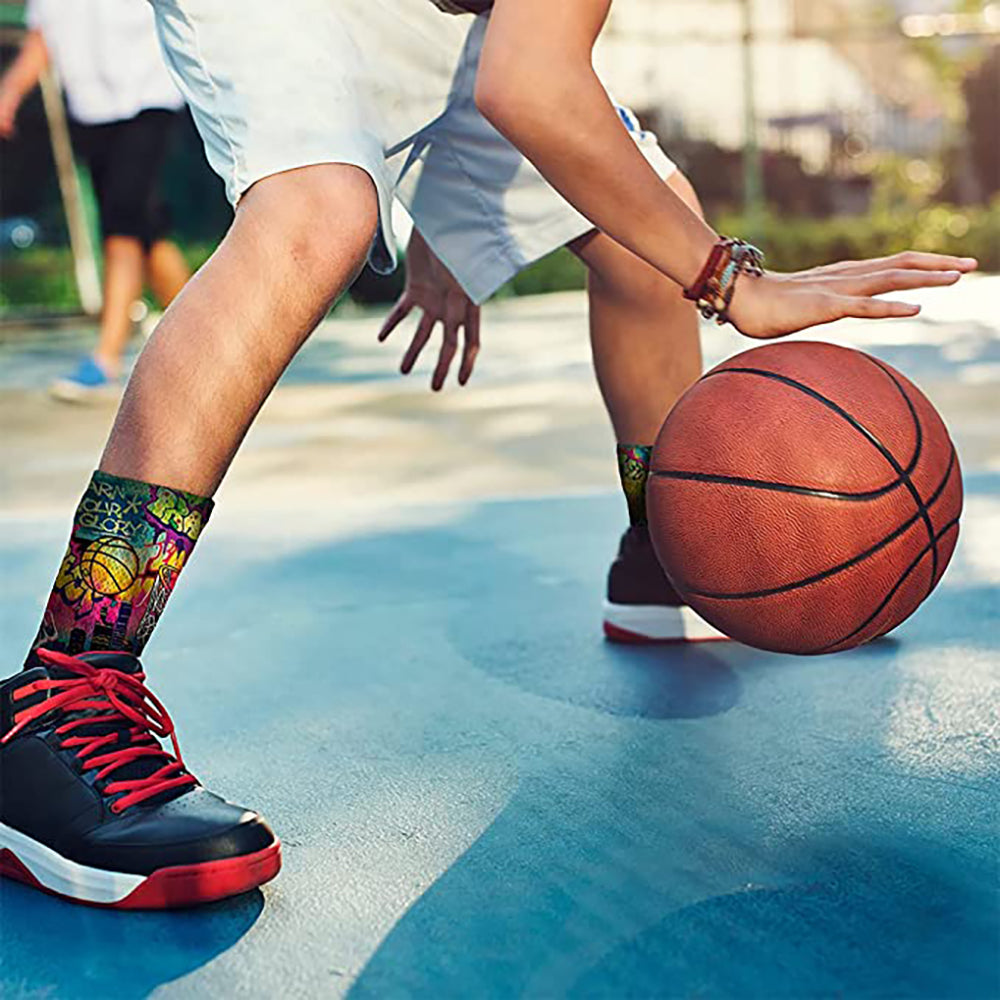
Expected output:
{"points": [[125, 159]]}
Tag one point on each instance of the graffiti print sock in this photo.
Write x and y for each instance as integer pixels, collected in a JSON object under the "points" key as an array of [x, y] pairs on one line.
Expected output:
{"points": [[633, 468], [129, 543]]}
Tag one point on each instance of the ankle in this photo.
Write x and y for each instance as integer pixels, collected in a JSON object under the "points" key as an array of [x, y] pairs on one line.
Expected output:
{"points": [[633, 469], [110, 365]]}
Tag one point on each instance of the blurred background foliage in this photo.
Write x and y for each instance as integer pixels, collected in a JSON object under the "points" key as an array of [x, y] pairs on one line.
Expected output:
{"points": [[877, 125]]}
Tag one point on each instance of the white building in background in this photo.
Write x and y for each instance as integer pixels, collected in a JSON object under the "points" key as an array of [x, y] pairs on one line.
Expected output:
{"points": [[816, 70]]}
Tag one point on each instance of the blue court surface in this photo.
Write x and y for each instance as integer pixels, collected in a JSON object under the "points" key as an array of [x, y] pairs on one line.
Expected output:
{"points": [[478, 797]]}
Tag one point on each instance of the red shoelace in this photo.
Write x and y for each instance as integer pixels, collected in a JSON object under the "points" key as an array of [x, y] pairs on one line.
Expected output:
{"points": [[113, 697]]}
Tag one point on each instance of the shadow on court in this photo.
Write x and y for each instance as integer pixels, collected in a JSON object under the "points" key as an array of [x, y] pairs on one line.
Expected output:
{"points": [[53, 949], [480, 797], [887, 919]]}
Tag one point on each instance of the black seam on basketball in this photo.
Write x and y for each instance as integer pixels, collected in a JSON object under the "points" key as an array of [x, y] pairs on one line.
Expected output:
{"points": [[915, 491], [899, 583], [765, 484], [858, 426], [809, 491], [833, 570]]}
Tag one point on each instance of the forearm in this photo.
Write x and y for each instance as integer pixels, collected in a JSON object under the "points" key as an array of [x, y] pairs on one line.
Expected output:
{"points": [[538, 87], [536, 84], [26, 70]]}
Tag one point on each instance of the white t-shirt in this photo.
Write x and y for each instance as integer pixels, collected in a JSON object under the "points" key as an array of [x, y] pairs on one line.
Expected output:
{"points": [[107, 56]]}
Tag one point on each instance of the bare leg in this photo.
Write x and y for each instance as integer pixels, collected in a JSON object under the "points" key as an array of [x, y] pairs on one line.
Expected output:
{"points": [[167, 270], [123, 258], [644, 334], [297, 240]]}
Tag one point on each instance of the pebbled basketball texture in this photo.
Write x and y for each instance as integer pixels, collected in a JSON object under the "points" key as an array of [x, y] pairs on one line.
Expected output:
{"points": [[804, 498]]}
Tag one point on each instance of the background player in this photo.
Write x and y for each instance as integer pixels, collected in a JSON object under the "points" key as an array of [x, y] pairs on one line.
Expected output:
{"points": [[123, 108]]}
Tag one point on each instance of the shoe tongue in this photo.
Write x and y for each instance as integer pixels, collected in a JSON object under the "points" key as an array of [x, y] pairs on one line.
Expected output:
{"points": [[124, 663]]}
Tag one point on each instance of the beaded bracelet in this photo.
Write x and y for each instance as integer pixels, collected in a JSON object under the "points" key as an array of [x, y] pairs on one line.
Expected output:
{"points": [[714, 287]]}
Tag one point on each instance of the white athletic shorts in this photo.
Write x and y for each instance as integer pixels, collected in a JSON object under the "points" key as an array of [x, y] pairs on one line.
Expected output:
{"points": [[386, 85]]}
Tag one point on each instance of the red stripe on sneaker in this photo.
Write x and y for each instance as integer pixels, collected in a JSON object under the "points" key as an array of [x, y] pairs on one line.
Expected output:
{"points": [[170, 888], [189, 885], [617, 634], [11, 867]]}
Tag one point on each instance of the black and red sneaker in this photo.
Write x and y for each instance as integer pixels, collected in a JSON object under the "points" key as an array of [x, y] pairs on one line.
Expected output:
{"points": [[642, 605], [94, 809]]}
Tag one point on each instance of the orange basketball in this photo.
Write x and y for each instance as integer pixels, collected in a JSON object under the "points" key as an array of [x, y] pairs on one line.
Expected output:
{"points": [[804, 498]]}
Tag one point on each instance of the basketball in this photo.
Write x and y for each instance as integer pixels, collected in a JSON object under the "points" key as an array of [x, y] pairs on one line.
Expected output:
{"points": [[110, 566], [804, 498]]}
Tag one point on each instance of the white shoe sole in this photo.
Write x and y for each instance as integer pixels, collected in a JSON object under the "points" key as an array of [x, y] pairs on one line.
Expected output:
{"points": [[67, 391], [657, 623], [26, 860], [64, 877]]}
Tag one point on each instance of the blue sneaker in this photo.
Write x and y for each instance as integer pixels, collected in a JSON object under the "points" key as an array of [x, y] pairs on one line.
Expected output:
{"points": [[87, 381]]}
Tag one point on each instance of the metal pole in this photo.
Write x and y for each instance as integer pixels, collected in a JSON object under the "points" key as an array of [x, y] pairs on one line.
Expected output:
{"points": [[753, 187]]}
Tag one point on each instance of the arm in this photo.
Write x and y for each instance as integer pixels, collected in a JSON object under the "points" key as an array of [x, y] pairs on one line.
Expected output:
{"points": [[538, 87], [23, 74]]}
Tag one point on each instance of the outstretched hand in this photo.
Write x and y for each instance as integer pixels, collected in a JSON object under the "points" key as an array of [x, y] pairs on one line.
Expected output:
{"points": [[777, 304], [432, 288]]}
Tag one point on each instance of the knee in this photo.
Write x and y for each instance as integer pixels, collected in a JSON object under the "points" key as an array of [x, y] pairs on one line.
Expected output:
{"points": [[331, 216], [322, 217]]}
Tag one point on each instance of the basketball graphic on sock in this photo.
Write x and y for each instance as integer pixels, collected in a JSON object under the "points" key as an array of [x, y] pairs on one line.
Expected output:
{"points": [[804, 497], [110, 566]]}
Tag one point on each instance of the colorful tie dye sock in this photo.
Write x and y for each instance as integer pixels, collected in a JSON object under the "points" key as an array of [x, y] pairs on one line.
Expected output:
{"points": [[633, 467], [129, 543]]}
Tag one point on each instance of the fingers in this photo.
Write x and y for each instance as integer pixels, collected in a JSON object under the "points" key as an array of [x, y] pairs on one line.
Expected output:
{"points": [[909, 260], [456, 312], [398, 313], [772, 307], [865, 308], [914, 260], [471, 349], [449, 345], [420, 338], [894, 281], [454, 317]]}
